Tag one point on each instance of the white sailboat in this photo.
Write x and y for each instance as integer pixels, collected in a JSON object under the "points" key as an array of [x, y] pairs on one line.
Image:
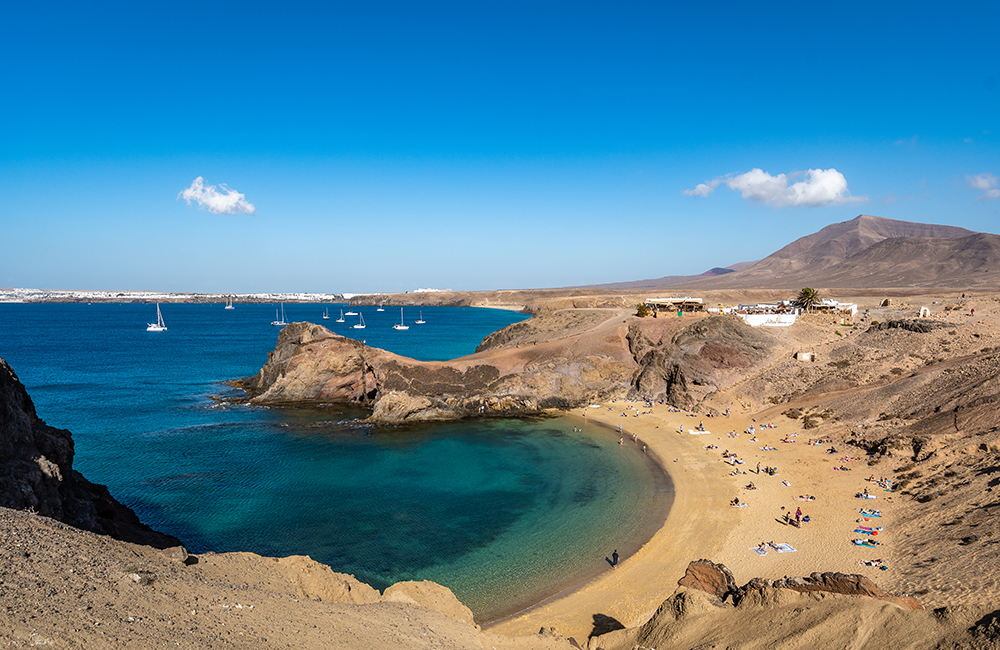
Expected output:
{"points": [[380, 308], [360, 325], [326, 314], [400, 326], [349, 312], [158, 326], [229, 302], [341, 319], [279, 322], [420, 321]]}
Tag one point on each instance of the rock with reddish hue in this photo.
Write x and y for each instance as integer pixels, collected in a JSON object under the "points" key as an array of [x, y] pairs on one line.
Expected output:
{"points": [[555, 360], [710, 577], [833, 583]]}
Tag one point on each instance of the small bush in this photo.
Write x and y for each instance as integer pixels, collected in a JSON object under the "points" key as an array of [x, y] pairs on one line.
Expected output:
{"points": [[896, 371]]}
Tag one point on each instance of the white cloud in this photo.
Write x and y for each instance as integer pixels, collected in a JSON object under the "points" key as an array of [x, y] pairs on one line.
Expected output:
{"points": [[703, 189], [226, 201], [820, 187], [986, 183]]}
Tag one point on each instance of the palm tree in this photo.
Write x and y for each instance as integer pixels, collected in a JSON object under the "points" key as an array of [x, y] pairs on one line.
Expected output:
{"points": [[807, 299]]}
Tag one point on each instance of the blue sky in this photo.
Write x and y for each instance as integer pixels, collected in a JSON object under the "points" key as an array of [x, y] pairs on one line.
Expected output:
{"points": [[389, 146]]}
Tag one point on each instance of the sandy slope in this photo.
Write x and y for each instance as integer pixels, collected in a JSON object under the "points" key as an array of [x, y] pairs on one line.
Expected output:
{"points": [[701, 524]]}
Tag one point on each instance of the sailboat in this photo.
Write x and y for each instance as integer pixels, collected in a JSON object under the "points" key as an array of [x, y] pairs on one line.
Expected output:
{"points": [[279, 322], [158, 326], [326, 314], [349, 312], [420, 321], [229, 302], [341, 319], [361, 325], [380, 308], [400, 326]]}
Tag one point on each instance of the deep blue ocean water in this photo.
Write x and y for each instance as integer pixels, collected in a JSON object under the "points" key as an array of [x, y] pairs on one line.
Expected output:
{"points": [[504, 512]]}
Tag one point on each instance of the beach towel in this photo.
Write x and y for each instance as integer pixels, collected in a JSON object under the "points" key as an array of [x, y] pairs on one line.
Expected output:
{"points": [[695, 432], [786, 484], [805, 498], [785, 548], [866, 532], [760, 551], [742, 505], [865, 542], [864, 496]]}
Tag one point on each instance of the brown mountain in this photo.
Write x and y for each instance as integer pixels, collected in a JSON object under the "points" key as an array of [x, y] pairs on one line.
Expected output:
{"points": [[665, 281], [871, 252]]}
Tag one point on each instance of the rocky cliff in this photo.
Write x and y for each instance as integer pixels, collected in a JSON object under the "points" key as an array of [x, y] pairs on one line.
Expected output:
{"points": [[557, 359], [36, 473]]}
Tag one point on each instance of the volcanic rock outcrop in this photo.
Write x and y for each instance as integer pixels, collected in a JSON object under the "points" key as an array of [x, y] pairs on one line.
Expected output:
{"points": [[558, 359], [36, 473]]}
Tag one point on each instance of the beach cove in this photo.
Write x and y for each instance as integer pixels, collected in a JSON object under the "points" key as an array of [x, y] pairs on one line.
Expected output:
{"points": [[703, 524], [499, 510]]}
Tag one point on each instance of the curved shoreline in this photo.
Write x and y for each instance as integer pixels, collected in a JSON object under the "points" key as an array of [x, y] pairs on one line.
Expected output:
{"points": [[663, 485], [633, 591]]}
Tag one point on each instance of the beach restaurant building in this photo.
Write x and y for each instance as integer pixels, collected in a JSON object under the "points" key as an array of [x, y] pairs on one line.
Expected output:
{"points": [[685, 304], [828, 306]]}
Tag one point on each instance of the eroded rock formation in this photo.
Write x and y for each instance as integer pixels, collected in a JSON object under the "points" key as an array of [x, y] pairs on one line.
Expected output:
{"points": [[36, 473], [558, 359]]}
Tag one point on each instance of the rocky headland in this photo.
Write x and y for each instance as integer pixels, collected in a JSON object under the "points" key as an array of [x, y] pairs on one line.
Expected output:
{"points": [[558, 359]]}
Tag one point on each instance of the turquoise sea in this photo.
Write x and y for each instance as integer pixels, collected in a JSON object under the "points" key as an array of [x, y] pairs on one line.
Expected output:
{"points": [[504, 512]]}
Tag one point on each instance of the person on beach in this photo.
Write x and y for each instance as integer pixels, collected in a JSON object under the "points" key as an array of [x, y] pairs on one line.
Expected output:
{"points": [[614, 559], [621, 441], [758, 468]]}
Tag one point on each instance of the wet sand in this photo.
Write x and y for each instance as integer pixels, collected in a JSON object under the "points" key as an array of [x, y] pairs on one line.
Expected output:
{"points": [[702, 524]]}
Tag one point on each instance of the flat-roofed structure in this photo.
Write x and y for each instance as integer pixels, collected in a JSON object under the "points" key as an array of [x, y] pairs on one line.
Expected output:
{"points": [[683, 304], [783, 307], [828, 306]]}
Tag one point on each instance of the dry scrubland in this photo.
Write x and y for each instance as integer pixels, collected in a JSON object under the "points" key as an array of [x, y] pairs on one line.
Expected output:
{"points": [[913, 400]]}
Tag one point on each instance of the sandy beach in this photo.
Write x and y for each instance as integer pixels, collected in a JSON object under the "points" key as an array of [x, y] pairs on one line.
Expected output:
{"points": [[703, 524]]}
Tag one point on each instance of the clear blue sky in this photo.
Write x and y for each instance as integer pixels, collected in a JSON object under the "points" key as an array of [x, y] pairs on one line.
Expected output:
{"points": [[389, 146]]}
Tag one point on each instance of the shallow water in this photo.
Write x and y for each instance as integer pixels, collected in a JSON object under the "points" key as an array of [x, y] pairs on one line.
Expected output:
{"points": [[504, 512]]}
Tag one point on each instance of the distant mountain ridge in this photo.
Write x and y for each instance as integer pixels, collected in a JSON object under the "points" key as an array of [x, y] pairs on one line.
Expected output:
{"points": [[870, 252], [667, 280]]}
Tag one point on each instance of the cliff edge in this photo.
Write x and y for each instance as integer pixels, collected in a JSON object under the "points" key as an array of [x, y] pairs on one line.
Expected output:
{"points": [[559, 359], [36, 474]]}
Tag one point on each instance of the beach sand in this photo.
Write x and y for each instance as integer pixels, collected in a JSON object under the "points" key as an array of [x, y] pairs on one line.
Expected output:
{"points": [[702, 524]]}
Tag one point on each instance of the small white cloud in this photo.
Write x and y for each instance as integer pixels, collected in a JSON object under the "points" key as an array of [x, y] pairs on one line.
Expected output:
{"points": [[703, 189], [819, 188], [986, 183], [910, 142], [226, 201]]}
